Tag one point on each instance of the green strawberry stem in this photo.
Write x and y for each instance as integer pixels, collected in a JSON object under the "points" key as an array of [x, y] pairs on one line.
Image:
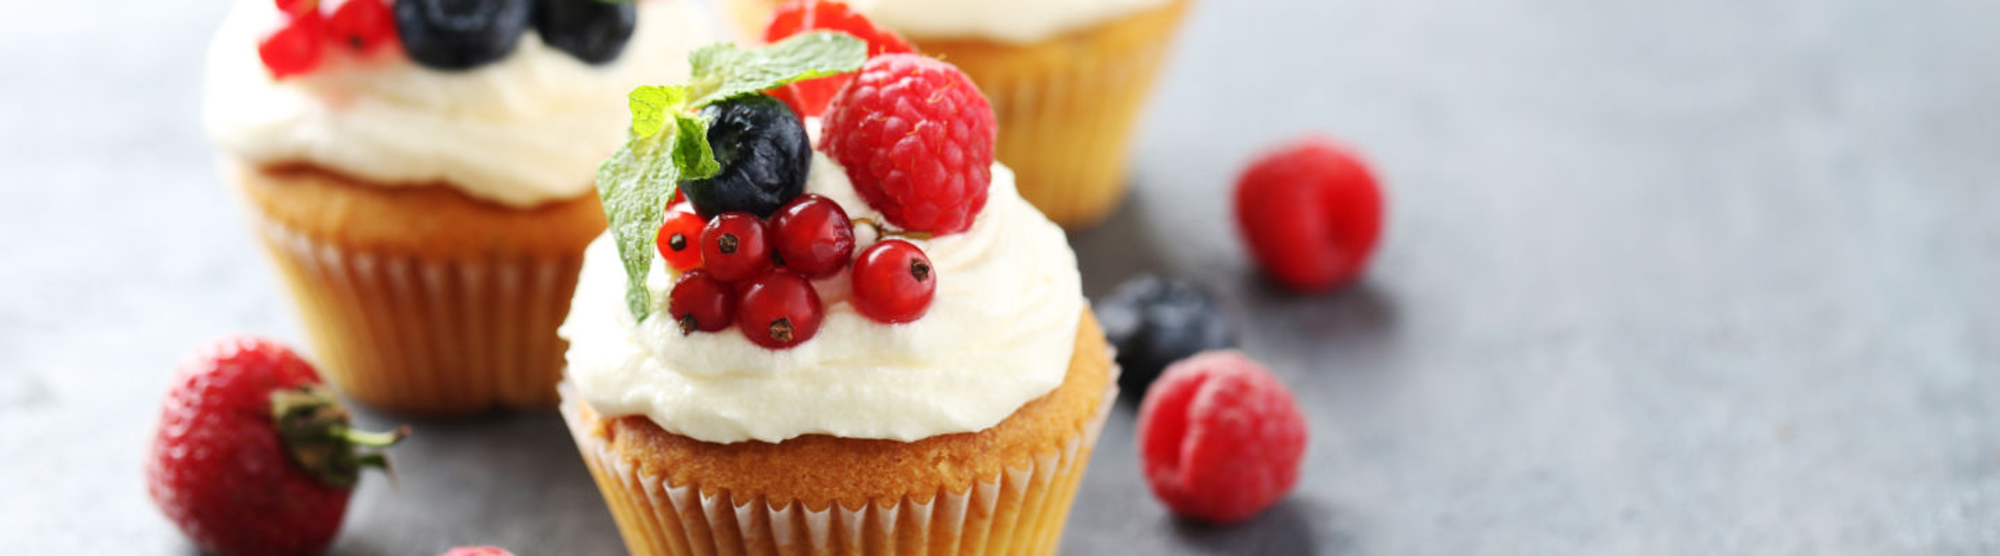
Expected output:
{"points": [[318, 434]]}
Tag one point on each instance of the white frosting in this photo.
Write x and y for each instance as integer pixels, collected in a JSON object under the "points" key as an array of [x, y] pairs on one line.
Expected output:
{"points": [[1018, 21], [521, 131], [999, 333]]}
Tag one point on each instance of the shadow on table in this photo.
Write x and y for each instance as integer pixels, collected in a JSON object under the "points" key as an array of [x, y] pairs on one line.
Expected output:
{"points": [[1285, 529]]}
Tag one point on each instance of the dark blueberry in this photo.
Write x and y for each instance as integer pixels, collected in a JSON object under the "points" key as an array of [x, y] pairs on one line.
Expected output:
{"points": [[764, 154], [1156, 321], [594, 31], [461, 34]]}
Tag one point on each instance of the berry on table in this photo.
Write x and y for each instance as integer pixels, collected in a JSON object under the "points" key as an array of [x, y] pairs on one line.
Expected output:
{"points": [[296, 47], [461, 34], [735, 247], [764, 153], [679, 240], [779, 310], [1155, 321], [893, 282], [1220, 438], [363, 25], [700, 302], [252, 454], [594, 31], [809, 98], [814, 236], [1310, 212], [916, 138], [478, 551]]}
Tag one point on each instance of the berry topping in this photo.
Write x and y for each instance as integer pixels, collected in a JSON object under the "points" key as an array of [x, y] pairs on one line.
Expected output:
{"points": [[810, 97], [252, 454], [916, 138], [296, 47], [680, 240], [594, 31], [893, 282], [461, 34], [1220, 438], [735, 247], [700, 302], [296, 7], [764, 153], [363, 25], [1156, 321], [1310, 212], [779, 310], [814, 237]]}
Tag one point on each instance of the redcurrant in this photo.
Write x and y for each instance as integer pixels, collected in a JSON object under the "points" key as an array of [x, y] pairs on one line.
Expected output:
{"points": [[295, 47], [735, 248], [815, 238], [779, 310], [893, 282], [701, 302], [363, 24], [679, 240]]}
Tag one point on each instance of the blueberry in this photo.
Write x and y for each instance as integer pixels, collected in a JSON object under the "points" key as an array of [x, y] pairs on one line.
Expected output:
{"points": [[594, 31], [461, 34], [1156, 321], [764, 154]]}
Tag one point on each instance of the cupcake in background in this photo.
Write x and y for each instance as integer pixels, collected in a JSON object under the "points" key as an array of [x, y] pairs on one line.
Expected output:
{"points": [[421, 173], [1067, 80], [862, 343]]}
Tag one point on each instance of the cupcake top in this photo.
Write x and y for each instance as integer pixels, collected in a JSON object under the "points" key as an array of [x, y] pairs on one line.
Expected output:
{"points": [[510, 103], [1018, 21], [883, 281]]}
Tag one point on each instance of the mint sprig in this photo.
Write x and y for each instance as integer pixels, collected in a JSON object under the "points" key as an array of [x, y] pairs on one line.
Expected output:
{"points": [[668, 142]]}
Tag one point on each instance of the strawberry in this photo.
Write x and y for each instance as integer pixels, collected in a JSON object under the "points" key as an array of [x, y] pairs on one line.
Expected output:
{"points": [[253, 454]]}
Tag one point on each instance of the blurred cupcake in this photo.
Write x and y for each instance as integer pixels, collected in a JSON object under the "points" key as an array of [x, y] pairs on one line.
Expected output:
{"points": [[421, 174], [914, 371], [1067, 79]]}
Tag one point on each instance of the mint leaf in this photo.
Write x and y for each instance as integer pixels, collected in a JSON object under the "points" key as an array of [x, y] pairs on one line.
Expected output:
{"points": [[724, 71], [634, 185], [692, 152], [651, 105]]}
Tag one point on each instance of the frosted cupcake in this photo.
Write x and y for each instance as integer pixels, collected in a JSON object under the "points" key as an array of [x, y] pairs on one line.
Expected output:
{"points": [[1067, 78], [872, 346], [421, 174]]}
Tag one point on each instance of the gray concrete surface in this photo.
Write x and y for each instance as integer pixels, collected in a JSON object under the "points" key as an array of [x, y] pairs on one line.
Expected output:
{"points": [[1702, 277]]}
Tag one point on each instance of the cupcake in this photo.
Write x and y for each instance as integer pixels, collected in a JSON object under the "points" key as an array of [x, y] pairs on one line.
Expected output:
{"points": [[1067, 79], [420, 173], [866, 342]]}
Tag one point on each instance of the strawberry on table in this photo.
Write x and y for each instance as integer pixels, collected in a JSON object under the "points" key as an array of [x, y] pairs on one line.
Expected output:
{"points": [[253, 454]]}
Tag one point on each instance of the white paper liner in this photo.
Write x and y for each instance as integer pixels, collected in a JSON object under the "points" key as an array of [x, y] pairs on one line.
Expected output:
{"points": [[1020, 511], [405, 333]]}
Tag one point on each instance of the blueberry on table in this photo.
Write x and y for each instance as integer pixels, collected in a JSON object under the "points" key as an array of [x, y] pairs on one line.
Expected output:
{"points": [[461, 34], [1156, 321], [764, 154], [591, 30]]}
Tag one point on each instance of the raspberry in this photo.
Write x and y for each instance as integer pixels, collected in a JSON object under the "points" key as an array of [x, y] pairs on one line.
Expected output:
{"points": [[1310, 212], [779, 310], [893, 282], [295, 47], [735, 247], [699, 302], [1220, 438], [809, 98], [679, 240], [814, 237], [916, 138]]}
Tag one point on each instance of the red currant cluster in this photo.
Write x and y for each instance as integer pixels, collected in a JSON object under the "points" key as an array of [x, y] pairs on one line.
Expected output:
{"points": [[298, 44], [739, 269]]}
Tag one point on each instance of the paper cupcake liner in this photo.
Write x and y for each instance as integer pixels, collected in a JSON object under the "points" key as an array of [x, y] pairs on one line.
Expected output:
{"points": [[1020, 511], [412, 334]]}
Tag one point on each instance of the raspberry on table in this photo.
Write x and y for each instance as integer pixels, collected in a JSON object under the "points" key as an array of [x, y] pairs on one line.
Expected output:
{"points": [[916, 138], [1220, 438], [1310, 212], [809, 98]]}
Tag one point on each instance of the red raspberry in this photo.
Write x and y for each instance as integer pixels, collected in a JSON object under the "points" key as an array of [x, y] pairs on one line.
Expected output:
{"points": [[779, 310], [700, 302], [679, 240], [893, 282], [1310, 212], [363, 24], [916, 138], [1220, 438], [809, 98], [735, 247], [814, 237], [296, 47]]}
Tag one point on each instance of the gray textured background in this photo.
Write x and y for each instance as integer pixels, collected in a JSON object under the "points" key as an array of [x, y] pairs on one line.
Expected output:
{"points": [[1695, 277]]}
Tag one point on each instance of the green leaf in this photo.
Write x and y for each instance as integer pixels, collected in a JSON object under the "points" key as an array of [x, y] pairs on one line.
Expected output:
{"points": [[652, 105], [724, 71], [692, 152], [634, 185]]}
